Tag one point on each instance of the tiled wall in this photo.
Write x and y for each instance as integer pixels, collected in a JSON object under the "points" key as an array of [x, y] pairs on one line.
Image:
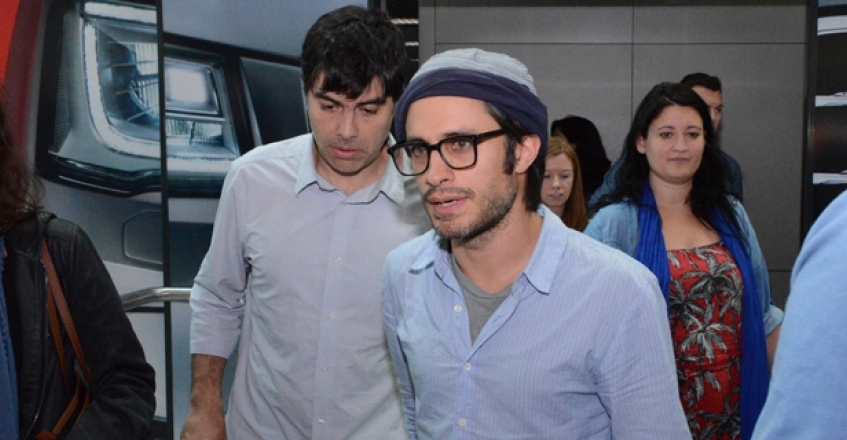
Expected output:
{"points": [[599, 62]]}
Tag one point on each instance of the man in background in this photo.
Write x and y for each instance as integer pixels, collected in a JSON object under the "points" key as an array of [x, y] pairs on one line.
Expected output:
{"points": [[709, 88], [293, 271]]}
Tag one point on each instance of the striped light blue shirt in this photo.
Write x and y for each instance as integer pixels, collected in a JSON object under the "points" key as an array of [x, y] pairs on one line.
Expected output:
{"points": [[580, 350]]}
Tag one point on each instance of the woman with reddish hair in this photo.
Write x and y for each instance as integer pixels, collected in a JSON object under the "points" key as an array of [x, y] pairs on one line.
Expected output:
{"points": [[561, 187]]}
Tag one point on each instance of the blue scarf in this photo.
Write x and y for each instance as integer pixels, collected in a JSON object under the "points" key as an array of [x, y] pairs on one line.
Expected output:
{"points": [[755, 374], [8, 377]]}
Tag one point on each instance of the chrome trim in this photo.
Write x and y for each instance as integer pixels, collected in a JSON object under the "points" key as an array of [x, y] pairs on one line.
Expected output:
{"points": [[399, 21], [149, 295], [136, 14]]}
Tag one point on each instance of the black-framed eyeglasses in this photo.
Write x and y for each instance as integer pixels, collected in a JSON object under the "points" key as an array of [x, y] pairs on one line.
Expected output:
{"points": [[457, 152]]}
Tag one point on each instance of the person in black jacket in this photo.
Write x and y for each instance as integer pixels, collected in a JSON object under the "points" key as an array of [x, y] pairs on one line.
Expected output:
{"points": [[122, 382], [583, 135]]}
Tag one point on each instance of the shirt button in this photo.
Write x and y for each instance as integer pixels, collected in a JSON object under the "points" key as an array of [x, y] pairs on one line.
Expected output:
{"points": [[323, 368], [463, 422], [467, 366], [321, 421], [337, 259], [331, 315], [457, 308]]}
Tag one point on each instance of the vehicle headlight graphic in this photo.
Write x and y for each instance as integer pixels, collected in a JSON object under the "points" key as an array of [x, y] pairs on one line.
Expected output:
{"points": [[122, 80]]}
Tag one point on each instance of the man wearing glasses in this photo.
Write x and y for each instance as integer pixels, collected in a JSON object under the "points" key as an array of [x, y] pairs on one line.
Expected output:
{"points": [[502, 322]]}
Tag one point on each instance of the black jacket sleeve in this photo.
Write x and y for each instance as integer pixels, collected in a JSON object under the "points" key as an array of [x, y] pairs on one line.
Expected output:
{"points": [[122, 382]]}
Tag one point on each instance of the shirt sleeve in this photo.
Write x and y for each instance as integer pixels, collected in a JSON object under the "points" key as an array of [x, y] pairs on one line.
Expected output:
{"points": [[122, 382], [616, 225], [637, 379], [771, 314], [390, 318], [608, 183], [600, 228], [217, 297], [806, 396]]}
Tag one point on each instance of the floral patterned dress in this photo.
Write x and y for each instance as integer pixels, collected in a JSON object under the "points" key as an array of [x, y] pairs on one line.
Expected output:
{"points": [[706, 291]]}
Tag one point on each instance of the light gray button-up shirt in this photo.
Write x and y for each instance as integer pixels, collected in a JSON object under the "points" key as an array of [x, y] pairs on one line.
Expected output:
{"points": [[293, 270]]}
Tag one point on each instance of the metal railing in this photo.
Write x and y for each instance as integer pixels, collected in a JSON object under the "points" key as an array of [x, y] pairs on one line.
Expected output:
{"points": [[149, 295], [163, 426]]}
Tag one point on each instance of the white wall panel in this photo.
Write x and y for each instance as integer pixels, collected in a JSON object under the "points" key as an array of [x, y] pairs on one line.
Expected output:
{"points": [[720, 24], [456, 24], [590, 81]]}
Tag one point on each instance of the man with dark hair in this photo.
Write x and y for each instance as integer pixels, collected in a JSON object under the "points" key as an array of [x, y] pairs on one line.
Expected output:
{"points": [[502, 322], [292, 273], [709, 82], [709, 89]]}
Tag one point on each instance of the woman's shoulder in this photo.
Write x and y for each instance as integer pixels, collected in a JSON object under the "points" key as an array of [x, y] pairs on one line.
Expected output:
{"points": [[61, 230], [618, 211], [740, 212], [618, 206], [26, 235], [615, 225]]}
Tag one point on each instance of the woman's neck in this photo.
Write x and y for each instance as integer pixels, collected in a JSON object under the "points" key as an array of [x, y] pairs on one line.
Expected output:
{"points": [[670, 195]]}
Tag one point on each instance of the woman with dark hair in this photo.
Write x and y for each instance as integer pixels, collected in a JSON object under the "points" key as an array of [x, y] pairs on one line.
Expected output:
{"points": [[583, 135], [561, 187], [36, 381], [671, 210]]}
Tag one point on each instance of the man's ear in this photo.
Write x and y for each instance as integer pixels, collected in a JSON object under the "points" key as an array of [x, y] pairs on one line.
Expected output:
{"points": [[526, 150]]}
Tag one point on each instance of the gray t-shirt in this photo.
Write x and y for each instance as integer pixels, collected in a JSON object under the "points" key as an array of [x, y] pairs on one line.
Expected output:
{"points": [[479, 303]]}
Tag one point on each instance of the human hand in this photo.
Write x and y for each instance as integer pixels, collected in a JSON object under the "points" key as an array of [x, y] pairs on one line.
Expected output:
{"points": [[204, 424]]}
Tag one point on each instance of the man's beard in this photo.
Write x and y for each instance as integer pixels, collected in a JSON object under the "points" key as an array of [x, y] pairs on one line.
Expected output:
{"points": [[494, 209]]}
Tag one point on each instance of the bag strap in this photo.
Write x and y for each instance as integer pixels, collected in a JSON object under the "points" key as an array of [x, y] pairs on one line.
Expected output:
{"points": [[54, 288], [57, 305], [57, 336]]}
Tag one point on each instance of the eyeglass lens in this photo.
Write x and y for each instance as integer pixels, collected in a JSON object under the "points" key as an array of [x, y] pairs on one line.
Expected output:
{"points": [[457, 152]]}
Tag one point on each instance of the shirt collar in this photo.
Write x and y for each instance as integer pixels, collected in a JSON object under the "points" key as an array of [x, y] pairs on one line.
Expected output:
{"points": [[546, 259], [541, 270], [307, 174], [392, 184]]}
